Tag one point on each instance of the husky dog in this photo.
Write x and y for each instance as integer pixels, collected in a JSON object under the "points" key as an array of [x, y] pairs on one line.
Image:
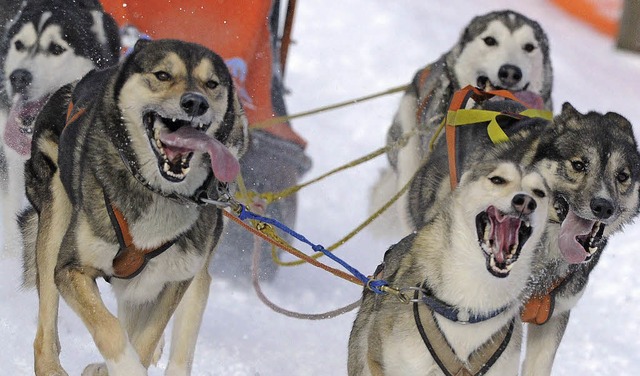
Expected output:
{"points": [[118, 165], [592, 163], [47, 45], [469, 264], [497, 50]]}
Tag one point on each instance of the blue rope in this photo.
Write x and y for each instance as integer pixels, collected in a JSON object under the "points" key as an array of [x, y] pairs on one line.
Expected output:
{"points": [[373, 284]]}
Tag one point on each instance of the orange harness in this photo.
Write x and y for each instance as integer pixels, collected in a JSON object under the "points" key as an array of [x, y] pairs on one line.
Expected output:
{"points": [[130, 260], [539, 308]]}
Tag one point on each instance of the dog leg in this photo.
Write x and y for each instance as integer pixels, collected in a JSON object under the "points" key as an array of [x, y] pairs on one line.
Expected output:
{"points": [[146, 323], [78, 288], [12, 197], [47, 344], [186, 324], [542, 343]]}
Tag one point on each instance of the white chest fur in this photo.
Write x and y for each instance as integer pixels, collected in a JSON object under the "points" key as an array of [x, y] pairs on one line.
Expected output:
{"points": [[161, 222]]}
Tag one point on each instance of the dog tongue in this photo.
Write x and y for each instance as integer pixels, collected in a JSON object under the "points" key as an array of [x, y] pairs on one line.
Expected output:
{"points": [[186, 139], [504, 232], [573, 226], [22, 114], [532, 99]]}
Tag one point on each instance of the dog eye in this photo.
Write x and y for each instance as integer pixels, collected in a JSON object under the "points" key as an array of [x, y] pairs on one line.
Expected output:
{"points": [[622, 177], [211, 84], [529, 47], [498, 180], [19, 45], [162, 76], [579, 166], [490, 41], [56, 49], [540, 193]]}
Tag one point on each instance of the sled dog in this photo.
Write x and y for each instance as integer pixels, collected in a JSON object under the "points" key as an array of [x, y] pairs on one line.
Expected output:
{"points": [[591, 161], [465, 272], [47, 45], [501, 49], [119, 162]]}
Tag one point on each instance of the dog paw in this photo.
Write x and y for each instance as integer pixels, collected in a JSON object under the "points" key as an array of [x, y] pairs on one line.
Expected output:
{"points": [[95, 369], [57, 372], [50, 370]]}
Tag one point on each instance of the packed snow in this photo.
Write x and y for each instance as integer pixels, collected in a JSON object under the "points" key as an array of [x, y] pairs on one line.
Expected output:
{"points": [[343, 50]]}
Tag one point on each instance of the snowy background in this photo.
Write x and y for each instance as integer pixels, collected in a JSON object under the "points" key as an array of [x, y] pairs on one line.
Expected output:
{"points": [[345, 49]]}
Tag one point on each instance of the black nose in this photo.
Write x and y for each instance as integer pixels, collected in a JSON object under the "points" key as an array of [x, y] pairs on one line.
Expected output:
{"points": [[20, 80], [601, 208], [509, 75], [524, 204], [194, 104]]}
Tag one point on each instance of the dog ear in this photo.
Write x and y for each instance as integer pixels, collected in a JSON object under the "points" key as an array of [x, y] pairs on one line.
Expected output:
{"points": [[238, 139], [568, 117], [618, 120], [140, 44]]}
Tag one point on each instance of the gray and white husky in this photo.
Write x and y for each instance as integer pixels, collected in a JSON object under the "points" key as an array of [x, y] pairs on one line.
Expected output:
{"points": [[120, 162], [592, 164], [47, 45], [501, 49], [466, 271]]}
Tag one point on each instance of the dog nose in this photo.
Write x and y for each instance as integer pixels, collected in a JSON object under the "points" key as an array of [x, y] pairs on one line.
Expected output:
{"points": [[601, 208], [194, 104], [20, 80], [509, 75], [523, 204]]}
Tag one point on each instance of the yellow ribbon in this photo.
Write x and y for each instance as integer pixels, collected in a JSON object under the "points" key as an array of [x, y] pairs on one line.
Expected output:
{"points": [[495, 132]]}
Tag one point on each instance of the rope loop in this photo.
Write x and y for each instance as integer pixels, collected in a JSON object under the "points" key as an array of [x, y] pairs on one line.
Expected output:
{"points": [[377, 286]]}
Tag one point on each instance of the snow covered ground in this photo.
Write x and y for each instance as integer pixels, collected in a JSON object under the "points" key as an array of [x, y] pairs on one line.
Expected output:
{"points": [[345, 49]]}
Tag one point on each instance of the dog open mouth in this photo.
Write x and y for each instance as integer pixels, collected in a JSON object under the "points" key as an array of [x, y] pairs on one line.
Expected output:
{"points": [[19, 128], [579, 238], [531, 99], [484, 83], [174, 141], [501, 237]]}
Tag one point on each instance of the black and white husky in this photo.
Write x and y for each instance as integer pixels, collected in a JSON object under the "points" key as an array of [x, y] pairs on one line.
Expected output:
{"points": [[47, 45], [498, 50]]}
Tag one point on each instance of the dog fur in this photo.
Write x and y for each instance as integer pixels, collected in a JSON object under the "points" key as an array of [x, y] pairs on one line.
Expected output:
{"points": [[47, 45], [502, 49], [592, 163], [139, 144], [447, 255]]}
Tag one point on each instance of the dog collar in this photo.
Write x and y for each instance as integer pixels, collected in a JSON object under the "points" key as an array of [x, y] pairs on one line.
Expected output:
{"points": [[450, 312], [479, 362], [208, 192]]}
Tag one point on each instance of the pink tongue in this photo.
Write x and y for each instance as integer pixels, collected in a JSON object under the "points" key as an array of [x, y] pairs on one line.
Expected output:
{"points": [[504, 232], [13, 136], [572, 251], [532, 99], [225, 166]]}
